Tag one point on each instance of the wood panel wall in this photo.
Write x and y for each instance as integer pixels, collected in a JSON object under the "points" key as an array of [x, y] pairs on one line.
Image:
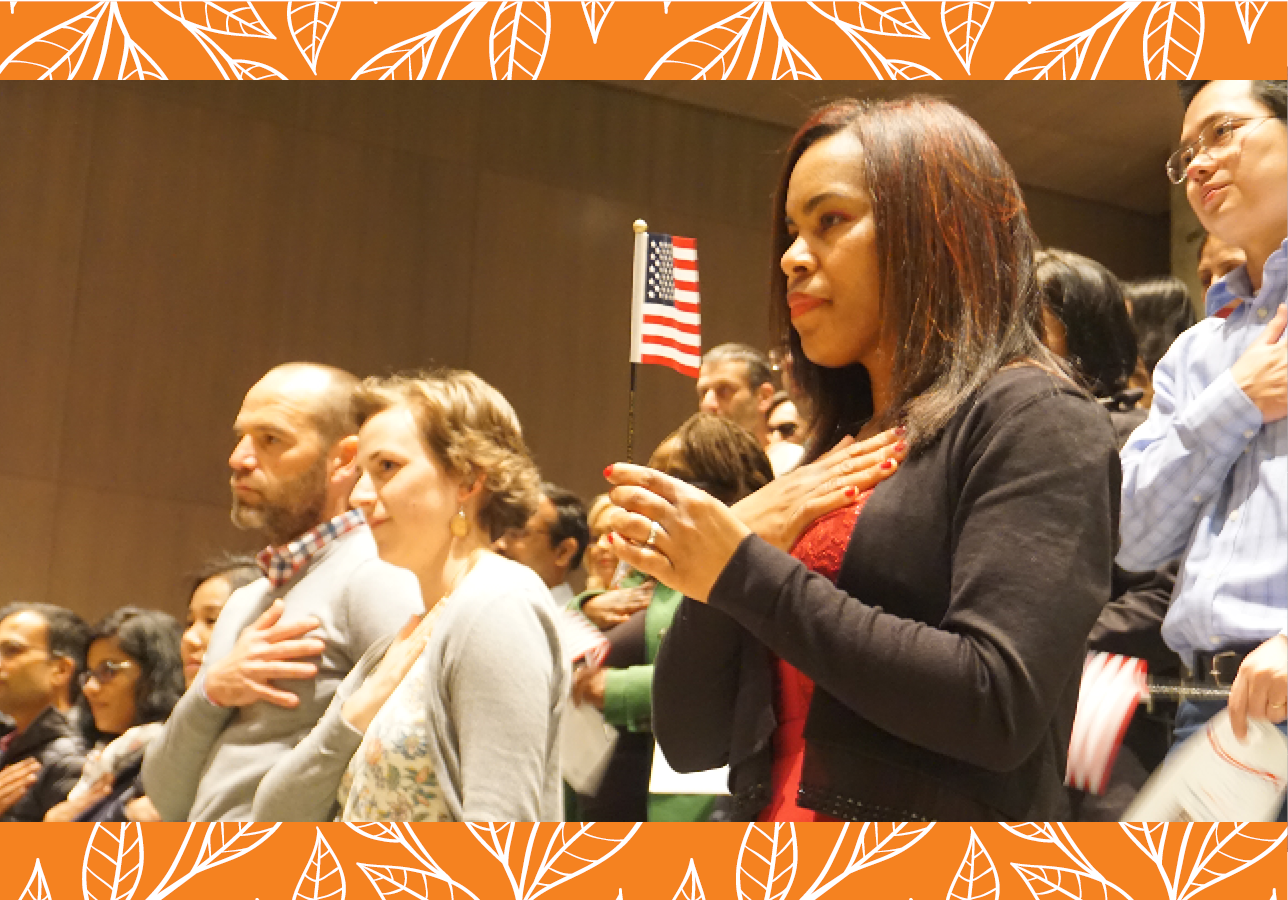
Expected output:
{"points": [[162, 246]]}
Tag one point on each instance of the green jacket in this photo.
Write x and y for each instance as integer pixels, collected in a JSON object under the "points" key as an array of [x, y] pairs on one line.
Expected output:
{"points": [[628, 698]]}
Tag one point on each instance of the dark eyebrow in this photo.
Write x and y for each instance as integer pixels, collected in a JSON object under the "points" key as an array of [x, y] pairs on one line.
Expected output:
{"points": [[813, 202], [1215, 117]]}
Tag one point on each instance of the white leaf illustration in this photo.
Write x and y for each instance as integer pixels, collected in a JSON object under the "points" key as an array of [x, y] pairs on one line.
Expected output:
{"points": [[414, 58], [1228, 848], [398, 882], [595, 12], [788, 61], [1249, 15], [874, 842], [713, 51], [882, 68], [1173, 40], [1063, 59], [59, 53], [1039, 832], [310, 24], [1054, 882], [690, 887], [225, 842], [377, 831], [909, 71], [113, 862], [519, 40], [232, 19], [322, 878], [37, 888], [767, 862], [890, 19], [964, 22], [976, 877], [249, 70], [572, 850]]}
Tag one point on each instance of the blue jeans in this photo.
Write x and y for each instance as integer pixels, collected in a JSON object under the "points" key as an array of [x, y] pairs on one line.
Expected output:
{"points": [[1192, 715]]}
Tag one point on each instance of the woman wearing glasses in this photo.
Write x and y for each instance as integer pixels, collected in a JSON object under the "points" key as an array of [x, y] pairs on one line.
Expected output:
{"points": [[133, 678], [917, 655]]}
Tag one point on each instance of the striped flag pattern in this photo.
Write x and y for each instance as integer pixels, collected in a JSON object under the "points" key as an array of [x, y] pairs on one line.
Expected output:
{"points": [[665, 321]]}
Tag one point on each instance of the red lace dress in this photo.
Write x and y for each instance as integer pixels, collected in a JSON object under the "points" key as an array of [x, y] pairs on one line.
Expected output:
{"points": [[821, 548]]}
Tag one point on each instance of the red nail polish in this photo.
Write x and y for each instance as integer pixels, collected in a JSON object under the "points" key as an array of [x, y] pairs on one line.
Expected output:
{"points": [[900, 447], [901, 430], [887, 464], [850, 492], [608, 471], [610, 534]]}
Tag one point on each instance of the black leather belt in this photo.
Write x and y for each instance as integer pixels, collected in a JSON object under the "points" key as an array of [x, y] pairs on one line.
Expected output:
{"points": [[1218, 668]]}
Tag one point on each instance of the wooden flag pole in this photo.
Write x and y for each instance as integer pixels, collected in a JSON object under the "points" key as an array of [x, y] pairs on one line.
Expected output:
{"points": [[639, 227]]}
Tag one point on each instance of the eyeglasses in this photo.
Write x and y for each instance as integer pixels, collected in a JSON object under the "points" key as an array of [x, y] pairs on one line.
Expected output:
{"points": [[785, 430], [104, 672], [1216, 135]]}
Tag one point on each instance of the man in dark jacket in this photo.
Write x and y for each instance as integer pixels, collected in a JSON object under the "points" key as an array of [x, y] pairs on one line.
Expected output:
{"points": [[42, 647]]}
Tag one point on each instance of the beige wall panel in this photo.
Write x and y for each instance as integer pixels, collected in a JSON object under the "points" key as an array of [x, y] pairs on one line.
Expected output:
{"points": [[26, 538], [374, 272], [585, 137], [114, 549], [44, 157], [550, 326], [431, 119], [196, 225], [714, 165], [1130, 244]]}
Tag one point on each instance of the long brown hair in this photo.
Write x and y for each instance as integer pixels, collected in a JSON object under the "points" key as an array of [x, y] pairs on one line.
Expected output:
{"points": [[958, 298]]}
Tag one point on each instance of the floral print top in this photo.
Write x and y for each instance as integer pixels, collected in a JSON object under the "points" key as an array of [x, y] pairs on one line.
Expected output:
{"points": [[391, 778]]}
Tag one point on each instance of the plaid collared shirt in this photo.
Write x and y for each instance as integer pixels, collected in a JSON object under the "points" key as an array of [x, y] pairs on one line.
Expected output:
{"points": [[281, 563]]}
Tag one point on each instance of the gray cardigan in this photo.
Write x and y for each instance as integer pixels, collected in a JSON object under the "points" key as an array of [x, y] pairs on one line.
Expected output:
{"points": [[208, 761], [495, 711]]}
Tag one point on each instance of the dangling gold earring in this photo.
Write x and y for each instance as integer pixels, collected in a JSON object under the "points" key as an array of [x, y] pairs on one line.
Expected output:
{"points": [[460, 525]]}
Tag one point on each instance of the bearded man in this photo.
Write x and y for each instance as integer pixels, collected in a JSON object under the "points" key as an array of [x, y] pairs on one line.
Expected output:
{"points": [[283, 643]]}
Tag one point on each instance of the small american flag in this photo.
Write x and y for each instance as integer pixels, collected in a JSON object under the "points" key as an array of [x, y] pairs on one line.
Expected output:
{"points": [[665, 323]]}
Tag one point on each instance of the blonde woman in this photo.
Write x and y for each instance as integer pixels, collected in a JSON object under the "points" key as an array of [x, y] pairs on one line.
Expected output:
{"points": [[460, 719]]}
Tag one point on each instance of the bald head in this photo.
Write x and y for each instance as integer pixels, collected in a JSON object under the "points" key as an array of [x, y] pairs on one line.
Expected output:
{"points": [[324, 393], [292, 465]]}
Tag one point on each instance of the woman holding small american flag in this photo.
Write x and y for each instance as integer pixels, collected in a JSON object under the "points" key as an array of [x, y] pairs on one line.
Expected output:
{"points": [[917, 653]]}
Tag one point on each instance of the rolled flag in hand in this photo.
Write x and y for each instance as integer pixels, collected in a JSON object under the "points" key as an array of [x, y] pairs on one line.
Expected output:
{"points": [[582, 641], [1112, 688]]}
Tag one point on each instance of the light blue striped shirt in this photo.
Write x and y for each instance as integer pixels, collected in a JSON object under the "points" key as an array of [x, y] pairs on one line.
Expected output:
{"points": [[1205, 480]]}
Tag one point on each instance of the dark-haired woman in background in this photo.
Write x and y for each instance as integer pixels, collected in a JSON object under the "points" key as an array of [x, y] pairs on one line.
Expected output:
{"points": [[934, 631], [132, 680], [1087, 324], [1160, 309], [211, 586]]}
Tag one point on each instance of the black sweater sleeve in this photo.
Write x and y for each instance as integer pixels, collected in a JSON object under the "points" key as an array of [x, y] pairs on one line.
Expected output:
{"points": [[1030, 545]]}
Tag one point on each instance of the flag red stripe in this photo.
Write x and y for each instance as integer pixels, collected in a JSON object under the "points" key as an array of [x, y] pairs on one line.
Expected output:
{"points": [[686, 306], [649, 340], [689, 265], [686, 285], [686, 243], [691, 371], [671, 323]]}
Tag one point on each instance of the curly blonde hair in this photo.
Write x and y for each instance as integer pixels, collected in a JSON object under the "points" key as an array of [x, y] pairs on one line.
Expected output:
{"points": [[471, 430]]}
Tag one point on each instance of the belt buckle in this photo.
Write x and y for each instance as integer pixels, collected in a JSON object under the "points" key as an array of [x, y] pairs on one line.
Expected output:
{"points": [[1216, 672]]}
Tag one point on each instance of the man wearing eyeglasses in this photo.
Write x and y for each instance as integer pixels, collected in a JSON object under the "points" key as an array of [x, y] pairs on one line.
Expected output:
{"points": [[1205, 478], [41, 649]]}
